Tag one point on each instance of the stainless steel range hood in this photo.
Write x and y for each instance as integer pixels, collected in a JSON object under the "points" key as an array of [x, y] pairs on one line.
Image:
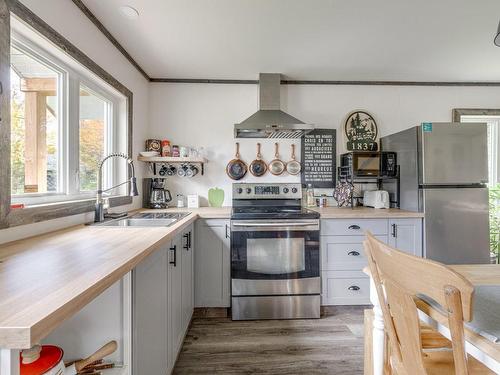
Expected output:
{"points": [[270, 121]]}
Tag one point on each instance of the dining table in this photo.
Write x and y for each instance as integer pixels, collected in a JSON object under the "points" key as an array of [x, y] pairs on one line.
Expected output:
{"points": [[482, 334]]}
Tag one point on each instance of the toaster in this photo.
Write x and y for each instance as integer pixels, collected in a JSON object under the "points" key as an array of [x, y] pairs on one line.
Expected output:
{"points": [[376, 199]]}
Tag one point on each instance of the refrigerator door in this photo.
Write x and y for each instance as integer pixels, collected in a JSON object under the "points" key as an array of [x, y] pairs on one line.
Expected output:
{"points": [[457, 225], [453, 154], [405, 144]]}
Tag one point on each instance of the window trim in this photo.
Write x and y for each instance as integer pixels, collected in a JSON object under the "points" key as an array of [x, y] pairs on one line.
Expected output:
{"points": [[485, 113], [13, 217], [69, 103]]}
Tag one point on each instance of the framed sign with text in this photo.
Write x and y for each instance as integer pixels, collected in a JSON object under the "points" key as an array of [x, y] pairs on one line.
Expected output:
{"points": [[319, 158], [361, 132]]}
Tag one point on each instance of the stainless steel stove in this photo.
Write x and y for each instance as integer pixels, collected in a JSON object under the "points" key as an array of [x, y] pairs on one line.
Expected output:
{"points": [[274, 253]]}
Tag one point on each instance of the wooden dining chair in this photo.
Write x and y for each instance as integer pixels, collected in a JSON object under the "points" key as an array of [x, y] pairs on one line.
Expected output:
{"points": [[400, 278]]}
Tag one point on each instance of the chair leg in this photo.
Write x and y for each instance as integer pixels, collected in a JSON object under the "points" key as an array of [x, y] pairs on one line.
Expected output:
{"points": [[368, 359]]}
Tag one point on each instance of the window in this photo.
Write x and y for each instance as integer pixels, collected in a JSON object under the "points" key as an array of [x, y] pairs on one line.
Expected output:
{"points": [[493, 123], [64, 120], [94, 135], [34, 124]]}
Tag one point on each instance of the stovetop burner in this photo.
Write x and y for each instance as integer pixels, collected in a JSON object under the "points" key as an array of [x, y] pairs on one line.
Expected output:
{"points": [[269, 201]]}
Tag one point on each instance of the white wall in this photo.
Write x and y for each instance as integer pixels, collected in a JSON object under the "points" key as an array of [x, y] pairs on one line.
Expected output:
{"points": [[204, 114], [69, 21]]}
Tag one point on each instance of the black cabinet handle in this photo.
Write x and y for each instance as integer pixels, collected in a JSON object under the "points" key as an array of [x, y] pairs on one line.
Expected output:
{"points": [[354, 227], [227, 235], [189, 238], [174, 249], [354, 287], [394, 230], [186, 246], [353, 253]]}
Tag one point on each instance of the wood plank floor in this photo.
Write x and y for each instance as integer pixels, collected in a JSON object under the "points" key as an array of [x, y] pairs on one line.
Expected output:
{"points": [[330, 345]]}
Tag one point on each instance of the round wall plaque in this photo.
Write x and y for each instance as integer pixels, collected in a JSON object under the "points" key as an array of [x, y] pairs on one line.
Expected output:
{"points": [[360, 130]]}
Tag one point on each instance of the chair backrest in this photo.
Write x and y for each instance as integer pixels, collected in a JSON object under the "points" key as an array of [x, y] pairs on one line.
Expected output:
{"points": [[399, 279]]}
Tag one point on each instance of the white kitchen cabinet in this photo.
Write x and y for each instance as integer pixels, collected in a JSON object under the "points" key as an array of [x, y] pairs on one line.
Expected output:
{"points": [[187, 276], [150, 318], [343, 257], [344, 288], [406, 235], [212, 263], [163, 305], [175, 298], [344, 252]]}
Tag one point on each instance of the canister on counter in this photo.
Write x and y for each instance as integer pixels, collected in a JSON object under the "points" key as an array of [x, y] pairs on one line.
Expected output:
{"points": [[153, 145], [175, 151], [165, 148], [323, 200]]}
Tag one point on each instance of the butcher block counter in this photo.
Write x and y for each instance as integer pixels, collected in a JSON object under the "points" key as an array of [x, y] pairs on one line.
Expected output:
{"points": [[48, 278], [365, 213]]}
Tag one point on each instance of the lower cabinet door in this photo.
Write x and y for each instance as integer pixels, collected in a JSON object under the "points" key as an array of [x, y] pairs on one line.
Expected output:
{"points": [[175, 298], [150, 315], [344, 288], [406, 235], [212, 263]]}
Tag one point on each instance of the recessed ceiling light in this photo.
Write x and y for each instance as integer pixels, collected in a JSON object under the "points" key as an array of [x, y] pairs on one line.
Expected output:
{"points": [[129, 12]]}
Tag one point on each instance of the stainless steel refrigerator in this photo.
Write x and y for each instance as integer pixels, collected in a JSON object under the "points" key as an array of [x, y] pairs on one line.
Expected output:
{"points": [[444, 171]]}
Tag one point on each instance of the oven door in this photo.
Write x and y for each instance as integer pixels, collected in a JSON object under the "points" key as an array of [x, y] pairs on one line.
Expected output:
{"points": [[275, 257]]}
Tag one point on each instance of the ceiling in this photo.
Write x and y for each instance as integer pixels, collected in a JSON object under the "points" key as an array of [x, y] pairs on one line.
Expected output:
{"points": [[425, 40]]}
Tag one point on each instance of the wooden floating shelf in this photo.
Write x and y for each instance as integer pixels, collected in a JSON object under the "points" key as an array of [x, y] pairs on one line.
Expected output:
{"points": [[171, 159]]}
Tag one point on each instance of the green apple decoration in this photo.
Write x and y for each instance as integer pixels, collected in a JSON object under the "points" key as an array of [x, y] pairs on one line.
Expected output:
{"points": [[215, 197]]}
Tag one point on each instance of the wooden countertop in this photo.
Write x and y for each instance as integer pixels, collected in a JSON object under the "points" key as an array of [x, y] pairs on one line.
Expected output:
{"points": [[202, 212], [48, 278], [326, 213], [365, 213]]}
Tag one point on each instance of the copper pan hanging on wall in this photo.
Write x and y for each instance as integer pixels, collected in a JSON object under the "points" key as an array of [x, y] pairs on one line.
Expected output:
{"points": [[258, 167]]}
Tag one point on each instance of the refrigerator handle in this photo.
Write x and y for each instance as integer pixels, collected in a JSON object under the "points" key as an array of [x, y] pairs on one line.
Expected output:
{"points": [[394, 231]]}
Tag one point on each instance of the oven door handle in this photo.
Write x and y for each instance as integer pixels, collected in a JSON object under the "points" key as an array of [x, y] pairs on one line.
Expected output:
{"points": [[281, 225], [277, 224]]}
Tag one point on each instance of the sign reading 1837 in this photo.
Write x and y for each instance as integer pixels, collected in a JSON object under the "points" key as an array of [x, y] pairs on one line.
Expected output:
{"points": [[360, 130]]}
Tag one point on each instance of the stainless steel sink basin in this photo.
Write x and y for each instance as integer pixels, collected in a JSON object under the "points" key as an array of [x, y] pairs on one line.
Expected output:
{"points": [[147, 219], [131, 222]]}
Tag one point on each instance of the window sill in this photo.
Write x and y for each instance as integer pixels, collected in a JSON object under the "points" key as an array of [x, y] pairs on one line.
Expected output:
{"points": [[49, 211]]}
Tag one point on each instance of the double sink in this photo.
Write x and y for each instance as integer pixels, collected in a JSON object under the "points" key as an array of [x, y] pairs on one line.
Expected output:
{"points": [[147, 219]]}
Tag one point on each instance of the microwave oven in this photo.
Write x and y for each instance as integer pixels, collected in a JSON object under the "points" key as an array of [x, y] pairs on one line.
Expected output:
{"points": [[369, 164]]}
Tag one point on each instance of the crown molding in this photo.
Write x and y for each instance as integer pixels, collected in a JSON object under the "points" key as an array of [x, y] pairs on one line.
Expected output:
{"points": [[332, 83]]}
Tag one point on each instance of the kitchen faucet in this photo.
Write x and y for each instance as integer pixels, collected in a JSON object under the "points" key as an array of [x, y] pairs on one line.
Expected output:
{"points": [[133, 192]]}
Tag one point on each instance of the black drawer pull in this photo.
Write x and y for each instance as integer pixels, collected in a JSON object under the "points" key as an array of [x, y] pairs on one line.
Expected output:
{"points": [[186, 246], [353, 253], [354, 287], [174, 249], [354, 226]]}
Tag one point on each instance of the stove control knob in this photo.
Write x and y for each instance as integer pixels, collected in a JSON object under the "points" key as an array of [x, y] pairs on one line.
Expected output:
{"points": [[294, 190], [286, 190], [239, 191], [249, 190]]}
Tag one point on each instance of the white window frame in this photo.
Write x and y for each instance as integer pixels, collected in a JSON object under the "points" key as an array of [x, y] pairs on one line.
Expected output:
{"points": [[493, 123], [71, 77]]}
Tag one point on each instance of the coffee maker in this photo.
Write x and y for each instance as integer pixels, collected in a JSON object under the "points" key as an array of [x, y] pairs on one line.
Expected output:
{"points": [[157, 195]]}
